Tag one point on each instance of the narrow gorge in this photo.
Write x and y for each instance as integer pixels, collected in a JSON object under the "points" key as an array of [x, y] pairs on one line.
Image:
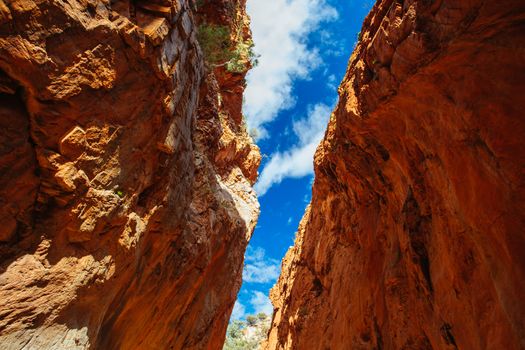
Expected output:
{"points": [[414, 236], [127, 174]]}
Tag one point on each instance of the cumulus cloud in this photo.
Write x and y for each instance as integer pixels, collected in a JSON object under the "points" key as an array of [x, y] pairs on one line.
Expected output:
{"points": [[239, 311], [280, 30], [298, 161], [258, 267], [261, 303]]}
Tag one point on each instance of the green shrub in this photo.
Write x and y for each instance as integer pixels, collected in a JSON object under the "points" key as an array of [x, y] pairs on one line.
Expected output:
{"points": [[237, 337], [262, 316], [243, 57], [215, 43], [251, 320], [217, 47]]}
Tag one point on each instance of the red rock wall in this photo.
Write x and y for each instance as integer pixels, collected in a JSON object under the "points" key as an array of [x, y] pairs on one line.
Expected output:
{"points": [[125, 188], [414, 237]]}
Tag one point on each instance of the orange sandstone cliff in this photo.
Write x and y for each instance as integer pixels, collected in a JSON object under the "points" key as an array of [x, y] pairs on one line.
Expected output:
{"points": [[415, 237], [125, 175]]}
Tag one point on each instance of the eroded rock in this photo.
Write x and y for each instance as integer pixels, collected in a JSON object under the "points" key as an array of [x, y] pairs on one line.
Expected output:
{"points": [[120, 228], [414, 237]]}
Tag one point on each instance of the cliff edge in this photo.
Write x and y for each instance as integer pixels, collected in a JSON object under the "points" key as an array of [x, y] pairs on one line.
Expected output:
{"points": [[414, 236], [125, 192]]}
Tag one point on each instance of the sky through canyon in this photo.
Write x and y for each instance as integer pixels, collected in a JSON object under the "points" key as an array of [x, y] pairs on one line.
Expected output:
{"points": [[304, 47]]}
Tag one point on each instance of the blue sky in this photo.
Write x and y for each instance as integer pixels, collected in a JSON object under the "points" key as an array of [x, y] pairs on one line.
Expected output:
{"points": [[304, 46]]}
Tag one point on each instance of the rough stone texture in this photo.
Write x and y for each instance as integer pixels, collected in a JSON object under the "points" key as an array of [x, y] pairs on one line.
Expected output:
{"points": [[414, 238], [125, 189]]}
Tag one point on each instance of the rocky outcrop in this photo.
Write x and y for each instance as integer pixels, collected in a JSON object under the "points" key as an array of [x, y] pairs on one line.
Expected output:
{"points": [[414, 237], [126, 172]]}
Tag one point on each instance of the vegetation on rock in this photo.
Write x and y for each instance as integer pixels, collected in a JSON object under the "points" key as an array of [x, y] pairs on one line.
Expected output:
{"points": [[220, 50]]}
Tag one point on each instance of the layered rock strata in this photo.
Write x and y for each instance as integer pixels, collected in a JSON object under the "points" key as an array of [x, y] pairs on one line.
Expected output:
{"points": [[414, 236], [126, 172]]}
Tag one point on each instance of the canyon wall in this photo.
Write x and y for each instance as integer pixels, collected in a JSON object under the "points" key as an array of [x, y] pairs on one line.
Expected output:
{"points": [[126, 172], [414, 236]]}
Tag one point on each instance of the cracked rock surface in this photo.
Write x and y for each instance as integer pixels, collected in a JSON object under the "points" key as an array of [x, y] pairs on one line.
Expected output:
{"points": [[126, 198]]}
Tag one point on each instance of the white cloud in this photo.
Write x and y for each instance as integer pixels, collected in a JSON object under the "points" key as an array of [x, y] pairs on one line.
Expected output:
{"points": [[298, 161], [261, 303], [333, 45], [331, 82], [239, 311], [280, 29], [259, 268]]}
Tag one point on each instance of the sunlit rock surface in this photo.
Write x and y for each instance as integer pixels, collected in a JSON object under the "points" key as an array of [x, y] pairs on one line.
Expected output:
{"points": [[126, 172], [414, 237]]}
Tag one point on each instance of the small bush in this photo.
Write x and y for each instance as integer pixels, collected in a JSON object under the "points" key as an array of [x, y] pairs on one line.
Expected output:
{"points": [[215, 43], [262, 316], [251, 320], [217, 47], [238, 337], [243, 58]]}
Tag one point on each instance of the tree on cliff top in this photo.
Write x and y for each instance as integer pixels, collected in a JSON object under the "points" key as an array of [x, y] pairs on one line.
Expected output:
{"points": [[249, 334]]}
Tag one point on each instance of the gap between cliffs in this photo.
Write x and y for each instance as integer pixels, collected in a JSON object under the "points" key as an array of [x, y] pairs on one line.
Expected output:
{"points": [[127, 197]]}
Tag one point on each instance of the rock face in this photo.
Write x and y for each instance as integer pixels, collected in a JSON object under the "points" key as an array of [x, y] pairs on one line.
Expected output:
{"points": [[126, 172], [414, 237]]}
